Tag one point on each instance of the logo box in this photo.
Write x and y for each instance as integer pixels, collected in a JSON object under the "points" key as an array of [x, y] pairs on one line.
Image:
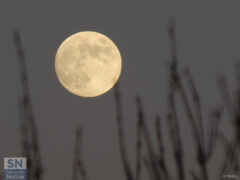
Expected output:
{"points": [[15, 168]]}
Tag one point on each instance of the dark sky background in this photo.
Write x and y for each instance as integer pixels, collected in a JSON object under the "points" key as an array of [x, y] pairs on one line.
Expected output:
{"points": [[208, 35]]}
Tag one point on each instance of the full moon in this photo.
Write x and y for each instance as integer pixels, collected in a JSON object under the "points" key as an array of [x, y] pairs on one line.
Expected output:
{"points": [[88, 64]]}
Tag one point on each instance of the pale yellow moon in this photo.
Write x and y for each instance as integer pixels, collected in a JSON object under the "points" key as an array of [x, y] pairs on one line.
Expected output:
{"points": [[88, 64]]}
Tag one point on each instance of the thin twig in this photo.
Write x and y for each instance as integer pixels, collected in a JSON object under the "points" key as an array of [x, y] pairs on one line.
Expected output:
{"points": [[162, 161], [215, 117], [148, 141], [37, 170], [139, 150], [176, 84], [196, 103], [172, 116], [120, 127], [148, 168], [226, 96], [175, 137], [77, 155]]}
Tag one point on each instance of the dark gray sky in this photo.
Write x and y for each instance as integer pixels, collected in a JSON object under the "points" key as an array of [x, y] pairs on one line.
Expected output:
{"points": [[209, 43]]}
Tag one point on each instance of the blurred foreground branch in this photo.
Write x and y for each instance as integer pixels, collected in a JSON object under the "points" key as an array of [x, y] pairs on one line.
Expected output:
{"points": [[29, 131]]}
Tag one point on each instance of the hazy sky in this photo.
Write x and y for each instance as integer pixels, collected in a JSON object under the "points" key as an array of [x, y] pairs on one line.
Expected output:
{"points": [[209, 43]]}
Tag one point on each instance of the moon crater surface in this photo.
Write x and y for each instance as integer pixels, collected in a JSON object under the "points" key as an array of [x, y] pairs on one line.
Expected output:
{"points": [[88, 64]]}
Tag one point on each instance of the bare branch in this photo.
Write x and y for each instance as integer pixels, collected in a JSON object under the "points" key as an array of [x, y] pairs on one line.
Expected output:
{"points": [[226, 96], [148, 168], [139, 150], [120, 126], [26, 101], [196, 103], [147, 137], [175, 137], [172, 116], [215, 117], [176, 84], [162, 163]]}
